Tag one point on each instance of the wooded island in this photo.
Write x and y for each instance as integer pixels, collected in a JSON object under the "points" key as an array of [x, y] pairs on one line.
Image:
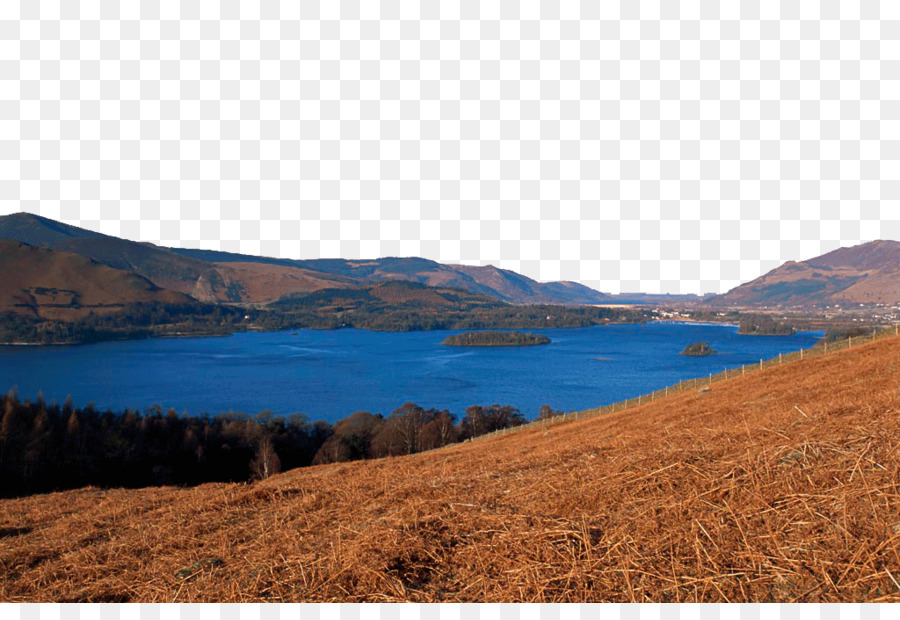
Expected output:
{"points": [[699, 348], [495, 339]]}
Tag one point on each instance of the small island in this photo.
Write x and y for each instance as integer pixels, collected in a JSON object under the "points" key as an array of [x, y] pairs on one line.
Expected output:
{"points": [[495, 339], [698, 348]]}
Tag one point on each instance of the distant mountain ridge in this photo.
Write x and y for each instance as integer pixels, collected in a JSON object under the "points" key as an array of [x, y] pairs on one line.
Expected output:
{"points": [[868, 273], [213, 276], [502, 284]]}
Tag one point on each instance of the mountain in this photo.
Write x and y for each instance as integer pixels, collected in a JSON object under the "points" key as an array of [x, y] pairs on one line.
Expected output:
{"points": [[203, 280], [228, 277], [515, 288], [778, 486], [165, 269], [864, 274], [57, 285], [501, 284]]}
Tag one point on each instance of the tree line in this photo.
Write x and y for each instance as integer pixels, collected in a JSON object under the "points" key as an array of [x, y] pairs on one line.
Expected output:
{"points": [[51, 447], [133, 321], [764, 325], [148, 319]]}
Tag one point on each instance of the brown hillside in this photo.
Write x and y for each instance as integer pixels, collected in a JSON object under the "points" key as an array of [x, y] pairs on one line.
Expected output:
{"points": [[781, 485], [875, 255], [260, 282], [866, 273], [394, 292], [65, 286]]}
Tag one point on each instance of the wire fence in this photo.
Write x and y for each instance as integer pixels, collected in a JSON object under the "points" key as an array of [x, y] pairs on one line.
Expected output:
{"points": [[705, 383]]}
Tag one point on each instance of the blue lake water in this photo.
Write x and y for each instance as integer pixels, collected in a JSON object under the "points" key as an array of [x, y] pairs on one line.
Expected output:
{"points": [[330, 374]]}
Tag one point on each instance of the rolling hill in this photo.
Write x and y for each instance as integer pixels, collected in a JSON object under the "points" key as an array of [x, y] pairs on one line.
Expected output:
{"points": [[864, 274], [56, 285], [781, 485]]}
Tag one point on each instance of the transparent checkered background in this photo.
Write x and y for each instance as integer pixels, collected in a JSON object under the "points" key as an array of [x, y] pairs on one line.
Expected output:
{"points": [[630, 145], [547, 611]]}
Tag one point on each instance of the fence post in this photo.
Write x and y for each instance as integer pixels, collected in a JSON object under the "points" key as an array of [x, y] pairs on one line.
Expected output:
{"points": [[801, 353], [779, 358], [760, 364], [826, 346], [849, 342]]}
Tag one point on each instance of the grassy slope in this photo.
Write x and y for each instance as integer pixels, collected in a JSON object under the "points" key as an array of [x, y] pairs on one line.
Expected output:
{"points": [[781, 485]]}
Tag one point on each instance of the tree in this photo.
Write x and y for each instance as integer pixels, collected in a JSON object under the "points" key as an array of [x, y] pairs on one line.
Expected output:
{"points": [[352, 439], [440, 430], [482, 420], [6, 427], [37, 450], [266, 462], [546, 412], [406, 423], [473, 423]]}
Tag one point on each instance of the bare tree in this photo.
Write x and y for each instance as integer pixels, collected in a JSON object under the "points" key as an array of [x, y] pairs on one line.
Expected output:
{"points": [[266, 462], [439, 430]]}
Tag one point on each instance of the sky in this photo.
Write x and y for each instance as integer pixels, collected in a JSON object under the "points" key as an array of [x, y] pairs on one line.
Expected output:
{"points": [[631, 146]]}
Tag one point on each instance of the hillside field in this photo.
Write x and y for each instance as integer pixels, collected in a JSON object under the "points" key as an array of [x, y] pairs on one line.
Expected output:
{"points": [[781, 485]]}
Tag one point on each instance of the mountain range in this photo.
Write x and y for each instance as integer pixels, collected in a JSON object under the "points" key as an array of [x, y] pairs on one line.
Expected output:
{"points": [[211, 276], [57, 271]]}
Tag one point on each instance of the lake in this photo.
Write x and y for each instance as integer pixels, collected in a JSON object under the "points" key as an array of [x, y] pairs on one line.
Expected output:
{"points": [[330, 374]]}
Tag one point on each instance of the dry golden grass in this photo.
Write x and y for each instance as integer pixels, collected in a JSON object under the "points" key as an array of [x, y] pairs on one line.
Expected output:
{"points": [[781, 485]]}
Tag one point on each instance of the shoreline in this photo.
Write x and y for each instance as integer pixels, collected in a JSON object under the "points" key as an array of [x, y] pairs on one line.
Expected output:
{"points": [[250, 328]]}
